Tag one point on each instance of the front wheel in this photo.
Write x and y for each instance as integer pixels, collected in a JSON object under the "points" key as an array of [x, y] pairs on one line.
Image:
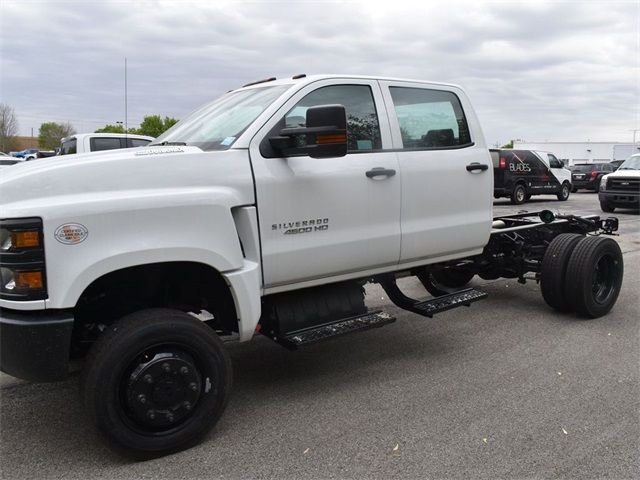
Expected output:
{"points": [[594, 276], [519, 195], [156, 382], [564, 192]]}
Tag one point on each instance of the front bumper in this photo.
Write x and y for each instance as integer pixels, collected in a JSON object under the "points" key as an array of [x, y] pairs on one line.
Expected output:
{"points": [[620, 199], [34, 345]]}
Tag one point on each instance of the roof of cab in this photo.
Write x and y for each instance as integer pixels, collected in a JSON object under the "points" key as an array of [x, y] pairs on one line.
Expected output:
{"points": [[314, 78]]}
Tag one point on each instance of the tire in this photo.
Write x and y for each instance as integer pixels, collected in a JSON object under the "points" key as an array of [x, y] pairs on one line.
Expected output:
{"points": [[518, 195], [527, 197], [453, 277], [606, 207], [574, 190], [156, 382], [597, 187], [594, 276], [565, 190], [554, 269]]}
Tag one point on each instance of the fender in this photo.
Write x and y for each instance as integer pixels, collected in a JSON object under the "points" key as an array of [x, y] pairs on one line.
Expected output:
{"points": [[151, 227]]}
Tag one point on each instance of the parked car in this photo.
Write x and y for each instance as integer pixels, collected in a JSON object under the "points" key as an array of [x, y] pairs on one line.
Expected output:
{"points": [[24, 153], [95, 142], [621, 189], [6, 161], [588, 175], [519, 174]]}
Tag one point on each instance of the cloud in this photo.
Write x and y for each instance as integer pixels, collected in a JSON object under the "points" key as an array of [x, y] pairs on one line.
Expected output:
{"points": [[537, 71]]}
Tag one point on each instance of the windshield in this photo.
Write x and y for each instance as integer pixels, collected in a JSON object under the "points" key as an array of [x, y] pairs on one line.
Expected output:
{"points": [[631, 163], [217, 125]]}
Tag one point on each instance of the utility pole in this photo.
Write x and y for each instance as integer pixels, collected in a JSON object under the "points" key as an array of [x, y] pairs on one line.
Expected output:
{"points": [[126, 124]]}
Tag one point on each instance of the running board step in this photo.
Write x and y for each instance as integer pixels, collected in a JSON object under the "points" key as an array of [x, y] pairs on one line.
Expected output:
{"points": [[452, 300], [311, 335], [429, 308]]}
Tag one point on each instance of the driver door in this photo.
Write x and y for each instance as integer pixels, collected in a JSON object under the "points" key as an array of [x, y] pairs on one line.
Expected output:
{"points": [[327, 217]]}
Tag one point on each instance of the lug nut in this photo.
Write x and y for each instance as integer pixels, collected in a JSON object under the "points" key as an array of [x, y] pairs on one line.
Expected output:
{"points": [[148, 378], [166, 368], [151, 415], [184, 370], [187, 406], [193, 386], [170, 417], [142, 399]]}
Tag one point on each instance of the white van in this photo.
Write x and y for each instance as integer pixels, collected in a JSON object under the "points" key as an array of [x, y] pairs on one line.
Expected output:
{"points": [[95, 142]]}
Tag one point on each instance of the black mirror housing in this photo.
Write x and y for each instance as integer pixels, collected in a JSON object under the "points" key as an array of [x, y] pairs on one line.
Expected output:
{"points": [[323, 136]]}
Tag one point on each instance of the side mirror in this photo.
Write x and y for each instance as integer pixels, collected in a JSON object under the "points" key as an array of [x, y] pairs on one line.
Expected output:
{"points": [[323, 136]]}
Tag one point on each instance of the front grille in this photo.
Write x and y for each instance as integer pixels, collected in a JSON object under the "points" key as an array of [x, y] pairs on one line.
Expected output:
{"points": [[624, 184]]}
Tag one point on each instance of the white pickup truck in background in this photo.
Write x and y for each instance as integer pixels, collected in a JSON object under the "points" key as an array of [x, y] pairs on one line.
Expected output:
{"points": [[265, 211]]}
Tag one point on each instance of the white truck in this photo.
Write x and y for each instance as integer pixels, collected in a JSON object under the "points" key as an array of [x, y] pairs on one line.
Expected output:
{"points": [[266, 211]]}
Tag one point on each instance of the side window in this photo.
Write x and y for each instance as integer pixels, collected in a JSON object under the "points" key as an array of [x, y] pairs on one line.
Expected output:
{"points": [[104, 143], [69, 147], [429, 118], [137, 142], [363, 129], [554, 162]]}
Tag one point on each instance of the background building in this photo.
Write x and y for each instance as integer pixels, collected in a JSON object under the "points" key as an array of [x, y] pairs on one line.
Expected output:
{"points": [[571, 153]]}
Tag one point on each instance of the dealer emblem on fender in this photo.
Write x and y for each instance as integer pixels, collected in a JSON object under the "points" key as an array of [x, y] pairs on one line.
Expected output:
{"points": [[71, 233]]}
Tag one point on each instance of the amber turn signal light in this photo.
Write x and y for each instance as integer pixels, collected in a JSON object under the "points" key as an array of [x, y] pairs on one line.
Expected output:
{"points": [[26, 280], [25, 239], [325, 139]]}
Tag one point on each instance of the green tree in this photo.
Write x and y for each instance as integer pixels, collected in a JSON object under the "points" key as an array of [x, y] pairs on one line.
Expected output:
{"points": [[8, 128], [113, 129], [51, 133], [508, 145], [155, 125]]}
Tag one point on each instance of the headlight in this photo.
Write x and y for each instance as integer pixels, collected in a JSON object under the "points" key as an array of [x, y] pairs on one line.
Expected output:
{"points": [[603, 183], [22, 265]]}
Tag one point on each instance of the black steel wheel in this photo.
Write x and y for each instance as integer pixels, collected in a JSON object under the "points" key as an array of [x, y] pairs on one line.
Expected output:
{"points": [[156, 382], [565, 190], [554, 269], [606, 207], [594, 276], [519, 194]]}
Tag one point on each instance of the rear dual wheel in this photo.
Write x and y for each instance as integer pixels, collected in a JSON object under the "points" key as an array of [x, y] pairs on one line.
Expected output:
{"points": [[582, 274]]}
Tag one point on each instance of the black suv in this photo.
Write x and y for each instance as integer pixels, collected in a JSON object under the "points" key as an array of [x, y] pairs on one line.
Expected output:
{"points": [[588, 175]]}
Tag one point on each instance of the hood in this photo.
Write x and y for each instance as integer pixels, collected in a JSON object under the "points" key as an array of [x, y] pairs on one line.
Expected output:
{"points": [[79, 178], [624, 174]]}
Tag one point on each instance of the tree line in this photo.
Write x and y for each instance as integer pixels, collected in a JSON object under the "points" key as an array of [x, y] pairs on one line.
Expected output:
{"points": [[50, 133]]}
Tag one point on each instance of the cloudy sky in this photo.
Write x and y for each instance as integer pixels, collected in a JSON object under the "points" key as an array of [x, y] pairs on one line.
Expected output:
{"points": [[557, 71]]}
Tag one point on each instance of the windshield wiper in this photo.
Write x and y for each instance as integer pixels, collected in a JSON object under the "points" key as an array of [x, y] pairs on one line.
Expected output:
{"points": [[167, 143]]}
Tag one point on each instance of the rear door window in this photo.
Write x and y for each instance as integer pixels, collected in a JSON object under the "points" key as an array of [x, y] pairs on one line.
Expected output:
{"points": [[429, 119]]}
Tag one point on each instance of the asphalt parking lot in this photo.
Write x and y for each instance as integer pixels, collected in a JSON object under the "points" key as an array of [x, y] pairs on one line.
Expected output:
{"points": [[505, 389]]}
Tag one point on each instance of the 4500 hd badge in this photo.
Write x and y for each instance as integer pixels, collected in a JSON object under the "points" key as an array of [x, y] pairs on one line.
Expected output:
{"points": [[302, 226]]}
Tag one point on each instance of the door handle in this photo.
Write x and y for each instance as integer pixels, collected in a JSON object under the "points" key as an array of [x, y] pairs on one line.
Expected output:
{"points": [[477, 166], [380, 172]]}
